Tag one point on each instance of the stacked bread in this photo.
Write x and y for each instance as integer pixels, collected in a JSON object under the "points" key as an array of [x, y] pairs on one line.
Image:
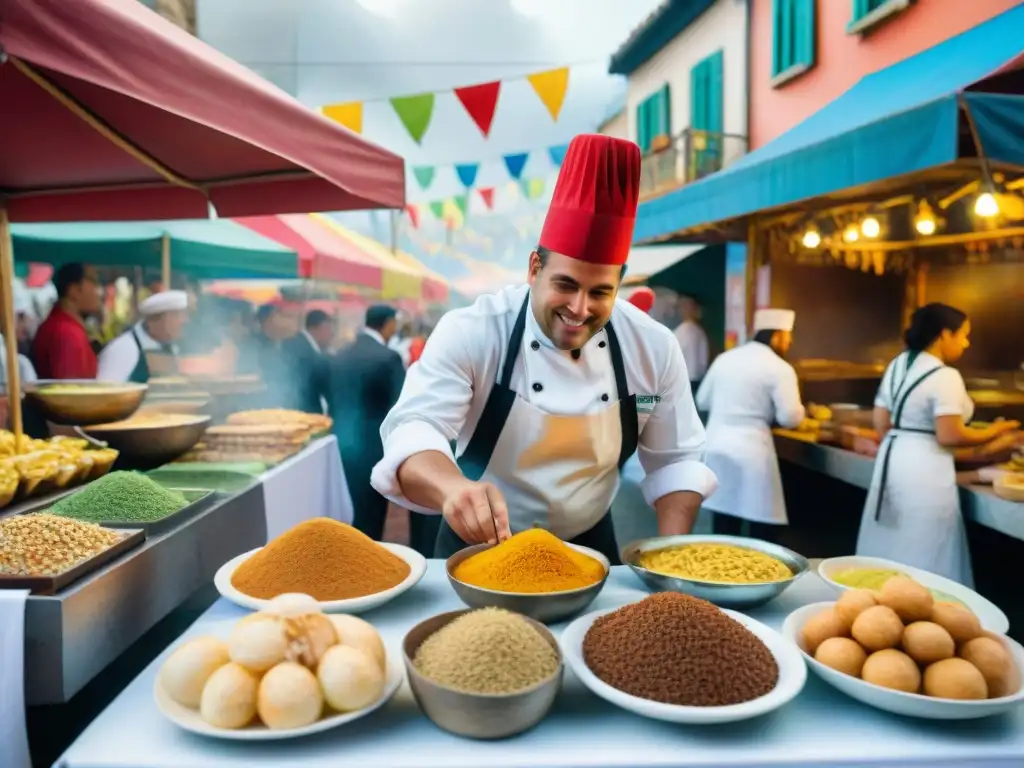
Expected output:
{"points": [[264, 436]]}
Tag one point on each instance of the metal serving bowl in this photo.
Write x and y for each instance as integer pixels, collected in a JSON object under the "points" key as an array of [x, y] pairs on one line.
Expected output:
{"points": [[478, 715], [91, 402], [724, 595], [546, 607], [178, 405], [148, 447]]}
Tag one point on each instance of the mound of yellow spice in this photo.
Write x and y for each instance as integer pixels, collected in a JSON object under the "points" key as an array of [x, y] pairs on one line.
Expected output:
{"points": [[533, 561]]}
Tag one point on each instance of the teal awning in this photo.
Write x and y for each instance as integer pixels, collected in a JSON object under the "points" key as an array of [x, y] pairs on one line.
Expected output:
{"points": [[899, 121], [205, 250]]}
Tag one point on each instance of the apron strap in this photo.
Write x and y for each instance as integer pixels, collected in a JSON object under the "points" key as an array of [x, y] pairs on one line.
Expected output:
{"points": [[515, 341], [628, 421], [140, 373]]}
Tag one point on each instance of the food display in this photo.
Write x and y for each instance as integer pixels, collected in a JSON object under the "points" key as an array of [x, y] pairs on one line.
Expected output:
{"points": [[80, 388], [676, 649], [34, 467], [120, 497], [876, 578], [148, 420], [315, 421], [322, 558], [1010, 486], [487, 651], [47, 545], [283, 668], [902, 639], [722, 563], [533, 561], [267, 436]]}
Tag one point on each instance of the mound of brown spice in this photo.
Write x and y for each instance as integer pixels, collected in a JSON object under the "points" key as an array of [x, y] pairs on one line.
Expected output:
{"points": [[679, 650], [322, 558]]}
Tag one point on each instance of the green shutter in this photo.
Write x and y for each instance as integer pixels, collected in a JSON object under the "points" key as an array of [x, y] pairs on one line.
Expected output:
{"points": [[862, 8], [641, 127], [698, 97], [715, 88], [665, 126], [793, 34]]}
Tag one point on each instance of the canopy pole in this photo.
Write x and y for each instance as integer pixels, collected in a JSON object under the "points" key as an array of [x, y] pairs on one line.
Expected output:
{"points": [[9, 328], [165, 261], [750, 289], [393, 221]]}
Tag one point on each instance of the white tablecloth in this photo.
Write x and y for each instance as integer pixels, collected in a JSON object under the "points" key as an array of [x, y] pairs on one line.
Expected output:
{"points": [[820, 729], [13, 736], [309, 484]]}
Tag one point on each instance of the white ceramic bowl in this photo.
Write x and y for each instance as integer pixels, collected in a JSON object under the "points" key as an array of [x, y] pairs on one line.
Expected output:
{"points": [[897, 702], [988, 613], [792, 676], [190, 720], [417, 567]]}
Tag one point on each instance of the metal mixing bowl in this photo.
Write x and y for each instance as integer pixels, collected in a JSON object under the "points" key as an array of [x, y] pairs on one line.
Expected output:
{"points": [[477, 715], [736, 596], [92, 402], [547, 607], [148, 447]]}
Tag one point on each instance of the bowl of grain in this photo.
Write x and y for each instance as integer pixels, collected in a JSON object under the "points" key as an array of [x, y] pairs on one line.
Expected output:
{"points": [[532, 573], [149, 440], [483, 674], [729, 571], [84, 401]]}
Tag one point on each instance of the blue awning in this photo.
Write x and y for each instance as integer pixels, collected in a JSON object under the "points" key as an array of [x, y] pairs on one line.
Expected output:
{"points": [[898, 121]]}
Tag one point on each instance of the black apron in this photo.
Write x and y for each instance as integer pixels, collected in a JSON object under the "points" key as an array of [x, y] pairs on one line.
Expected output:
{"points": [[140, 373], [477, 455]]}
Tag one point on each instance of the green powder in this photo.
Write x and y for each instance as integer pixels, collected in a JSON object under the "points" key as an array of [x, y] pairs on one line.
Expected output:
{"points": [[120, 497]]}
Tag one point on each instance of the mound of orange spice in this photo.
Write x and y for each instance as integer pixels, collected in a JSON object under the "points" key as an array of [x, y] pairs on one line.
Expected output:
{"points": [[533, 561], [322, 558]]}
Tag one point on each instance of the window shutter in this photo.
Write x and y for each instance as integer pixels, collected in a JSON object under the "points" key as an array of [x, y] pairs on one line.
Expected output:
{"points": [[698, 97], [641, 127], [715, 107], [861, 8], [665, 126]]}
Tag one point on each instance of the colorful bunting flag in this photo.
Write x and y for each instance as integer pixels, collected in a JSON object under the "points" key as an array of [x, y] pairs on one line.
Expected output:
{"points": [[462, 203], [480, 101], [415, 113], [557, 154], [437, 208], [516, 163], [414, 215], [349, 115], [424, 175], [487, 195], [533, 188], [467, 173], [550, 87]]}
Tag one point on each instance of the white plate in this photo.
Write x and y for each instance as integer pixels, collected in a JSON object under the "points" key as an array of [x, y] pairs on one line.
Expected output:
{"points": [[191, 721], [988, 613], [417, 567], [792, 676], [897, 702]]}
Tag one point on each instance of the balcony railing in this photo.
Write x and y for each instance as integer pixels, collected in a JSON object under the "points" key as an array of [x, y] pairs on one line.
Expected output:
{"points": [[688, 156]]}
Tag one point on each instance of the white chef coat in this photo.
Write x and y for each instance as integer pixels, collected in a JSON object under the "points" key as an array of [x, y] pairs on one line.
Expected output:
{"points": [[693, 341], [118, 359], [445, 393], [745, 391], [26, 371], [919, 521], [401, 346]]}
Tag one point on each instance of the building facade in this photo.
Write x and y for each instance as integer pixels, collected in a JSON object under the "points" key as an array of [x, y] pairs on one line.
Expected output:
{"points": [[686, 102], [806, 53]]}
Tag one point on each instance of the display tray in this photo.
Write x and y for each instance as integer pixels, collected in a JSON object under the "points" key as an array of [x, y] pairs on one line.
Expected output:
{"points": [[51, 585], [195, 497]]}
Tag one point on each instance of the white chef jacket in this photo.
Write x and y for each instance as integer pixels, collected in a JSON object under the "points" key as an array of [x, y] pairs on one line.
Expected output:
{"points": [[445, 393], [118, 359], [26, 371], [693, 341]]}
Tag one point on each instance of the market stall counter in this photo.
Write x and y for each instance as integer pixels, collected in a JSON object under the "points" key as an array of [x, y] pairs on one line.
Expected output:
{"points": [[819, 728]]}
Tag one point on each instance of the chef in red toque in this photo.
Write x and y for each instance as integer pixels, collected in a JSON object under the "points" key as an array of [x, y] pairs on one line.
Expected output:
{"points": [[545, 390]]}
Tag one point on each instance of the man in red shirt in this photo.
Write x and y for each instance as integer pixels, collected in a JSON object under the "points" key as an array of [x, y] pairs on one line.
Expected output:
{"points": [[62, 349]]}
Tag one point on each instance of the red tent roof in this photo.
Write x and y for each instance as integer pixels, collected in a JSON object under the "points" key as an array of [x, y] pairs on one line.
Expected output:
{"points": [[112, 112]]}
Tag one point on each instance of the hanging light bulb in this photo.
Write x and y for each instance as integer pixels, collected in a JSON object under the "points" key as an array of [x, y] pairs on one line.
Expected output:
{"points": [[811, 238], [851, 234], [986, 205], [925, 222], [870, 227]]}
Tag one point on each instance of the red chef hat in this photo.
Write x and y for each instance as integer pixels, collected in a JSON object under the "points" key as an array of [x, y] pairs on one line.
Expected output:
{"points": [[642, 298], [594, 205]]}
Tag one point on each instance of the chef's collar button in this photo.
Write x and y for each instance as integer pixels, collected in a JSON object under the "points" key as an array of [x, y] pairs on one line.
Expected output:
{"points": [[601, 345], [575, 354], [604, 397], [534, 345], [537, 386]]}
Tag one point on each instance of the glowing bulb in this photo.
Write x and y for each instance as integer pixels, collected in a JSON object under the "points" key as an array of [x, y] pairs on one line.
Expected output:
{"points": [[811, 238], [851, 234], [986, 205], [870, 227], [925, 226]]}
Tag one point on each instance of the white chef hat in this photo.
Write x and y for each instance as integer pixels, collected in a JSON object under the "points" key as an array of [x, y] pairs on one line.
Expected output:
{"points": [[165, 301], [774, 320]]}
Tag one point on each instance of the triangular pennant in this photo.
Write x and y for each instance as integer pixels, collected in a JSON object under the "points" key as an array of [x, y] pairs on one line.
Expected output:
{"points": [[516, 163], [424, 175], [550, 87], [467, 173], [532, 188], [487, 195], [437, 208], [462, 203], [557, 154], [349, 115], [415, 113], [480, 102], [414, 215]]}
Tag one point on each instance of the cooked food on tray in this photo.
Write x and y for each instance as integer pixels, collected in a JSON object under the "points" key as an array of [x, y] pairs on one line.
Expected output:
{"points": [[315, 421], [47, 545]]}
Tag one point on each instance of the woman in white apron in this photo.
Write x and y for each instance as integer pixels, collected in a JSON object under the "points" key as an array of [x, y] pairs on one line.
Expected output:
{"points": [[912, 513], [746, 391]]}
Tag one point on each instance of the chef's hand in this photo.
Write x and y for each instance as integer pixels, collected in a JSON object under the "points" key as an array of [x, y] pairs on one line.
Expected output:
{"points": [[1004, 426], [474, 510]]}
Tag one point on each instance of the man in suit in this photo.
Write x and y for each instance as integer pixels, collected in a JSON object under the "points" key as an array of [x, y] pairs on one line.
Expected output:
{"points": [[365, 380], [307, 362]]}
